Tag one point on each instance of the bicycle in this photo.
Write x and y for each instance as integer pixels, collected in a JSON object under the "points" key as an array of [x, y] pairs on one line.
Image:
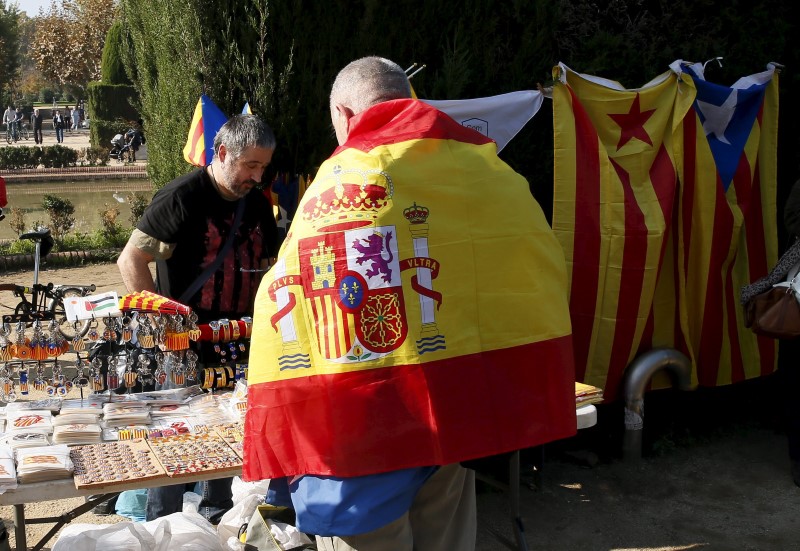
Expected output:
{"points": [[45, 302], [23, 132], [12, 134]]}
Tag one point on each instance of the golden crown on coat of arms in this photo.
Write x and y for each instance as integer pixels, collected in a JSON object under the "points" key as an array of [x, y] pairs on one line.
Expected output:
{"points": [[354, 200], [416, 214]]}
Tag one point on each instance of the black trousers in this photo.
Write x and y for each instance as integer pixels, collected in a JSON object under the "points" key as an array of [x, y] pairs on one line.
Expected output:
{"points": [[37, 135]]}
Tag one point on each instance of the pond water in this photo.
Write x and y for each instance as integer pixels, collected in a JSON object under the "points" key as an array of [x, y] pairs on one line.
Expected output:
{"points": [[89, 197]]}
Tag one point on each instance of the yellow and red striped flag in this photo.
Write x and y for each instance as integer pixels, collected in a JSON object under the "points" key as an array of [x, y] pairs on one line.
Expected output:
{"points": [[408, 321], [727, 218], [206, 122], [615, 195]]}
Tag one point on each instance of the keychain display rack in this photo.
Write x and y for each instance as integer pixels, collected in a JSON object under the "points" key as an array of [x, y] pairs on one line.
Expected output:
{"points": [[151, 340]]}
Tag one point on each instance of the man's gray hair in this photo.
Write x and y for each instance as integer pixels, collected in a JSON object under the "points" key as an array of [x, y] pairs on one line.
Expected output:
{"points": [[243, 131], [368, 81]]}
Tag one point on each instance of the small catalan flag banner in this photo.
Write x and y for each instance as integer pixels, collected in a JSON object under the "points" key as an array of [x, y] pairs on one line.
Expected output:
{"points": [[147, 301], [246, 109], [206, 122], [408, 321]]}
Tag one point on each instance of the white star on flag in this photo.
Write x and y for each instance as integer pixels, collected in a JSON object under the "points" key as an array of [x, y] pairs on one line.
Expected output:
{"points": [[718, 117]]}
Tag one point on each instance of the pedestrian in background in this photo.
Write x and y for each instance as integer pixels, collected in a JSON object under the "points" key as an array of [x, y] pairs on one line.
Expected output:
{"points": [[36, 124], [76, 118], [58, 126]]}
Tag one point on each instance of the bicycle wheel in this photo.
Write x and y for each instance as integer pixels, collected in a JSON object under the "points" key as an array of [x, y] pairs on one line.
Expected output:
{"points": [[56, 306], [25, 134], [8, 137]]}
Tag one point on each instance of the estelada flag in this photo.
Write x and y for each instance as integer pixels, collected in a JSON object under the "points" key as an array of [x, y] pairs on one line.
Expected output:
{"points": [[409, 320], [615, 192], [727, 218], [206, 122]]}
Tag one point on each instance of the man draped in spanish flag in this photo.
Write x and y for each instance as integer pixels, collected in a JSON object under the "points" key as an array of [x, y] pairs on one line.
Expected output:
{"points": [[416, 317]]}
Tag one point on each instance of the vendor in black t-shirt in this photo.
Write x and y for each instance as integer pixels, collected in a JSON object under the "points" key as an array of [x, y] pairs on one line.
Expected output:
{"points": [[189, 220], [184, 229]]}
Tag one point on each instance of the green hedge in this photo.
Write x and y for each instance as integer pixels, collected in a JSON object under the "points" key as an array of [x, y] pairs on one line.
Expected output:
{"points": [[101, 131], [110, 107], [54, 156]]}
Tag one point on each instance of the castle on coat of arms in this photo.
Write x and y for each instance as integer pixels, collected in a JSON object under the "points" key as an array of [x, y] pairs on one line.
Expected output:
{"points": [[322, 263]]}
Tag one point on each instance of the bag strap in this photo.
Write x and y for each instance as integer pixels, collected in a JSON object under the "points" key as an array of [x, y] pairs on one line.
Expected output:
{"points": [[211, 268]]}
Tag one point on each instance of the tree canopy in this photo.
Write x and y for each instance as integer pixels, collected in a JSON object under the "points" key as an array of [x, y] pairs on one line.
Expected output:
{"points": [[282, 58], [68, 43], [9, 50]]}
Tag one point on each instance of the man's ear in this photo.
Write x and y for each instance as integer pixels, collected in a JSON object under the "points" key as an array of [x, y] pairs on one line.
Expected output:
{"points": [[222, 152], [346, 113]]}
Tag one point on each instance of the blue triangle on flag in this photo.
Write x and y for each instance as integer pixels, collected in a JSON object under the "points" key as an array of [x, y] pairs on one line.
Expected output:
{"points": [[728, 116]]}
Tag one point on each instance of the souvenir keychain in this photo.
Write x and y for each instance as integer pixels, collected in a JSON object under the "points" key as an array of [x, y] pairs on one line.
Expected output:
{"points": [[7, 393], [77, 341], [144, 375], [145, 332], [160, 373], [5, 343], [20, 348], [97, 374], [191, 366], [178, 372], [193, 330], [127, 331], [130, 375], [23, 380], [93, 334], [39, 383], [80, 380], [112, 377], [38, 349], [109, 333]]}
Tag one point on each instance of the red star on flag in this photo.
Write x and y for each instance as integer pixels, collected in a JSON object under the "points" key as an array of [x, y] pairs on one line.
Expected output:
{"points": [[632, 124]]}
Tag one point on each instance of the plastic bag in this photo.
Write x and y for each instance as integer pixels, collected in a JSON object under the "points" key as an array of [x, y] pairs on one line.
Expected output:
{"points": [[246, 497], [175, 532], [232, 521], [123, 536]]}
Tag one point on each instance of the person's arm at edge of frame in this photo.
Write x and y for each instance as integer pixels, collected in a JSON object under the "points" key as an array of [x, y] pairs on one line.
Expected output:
{"points": [[133, 264]]}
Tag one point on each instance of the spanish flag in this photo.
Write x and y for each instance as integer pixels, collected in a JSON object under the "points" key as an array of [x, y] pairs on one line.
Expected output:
{"points": [[408, 321], [206, 122]]}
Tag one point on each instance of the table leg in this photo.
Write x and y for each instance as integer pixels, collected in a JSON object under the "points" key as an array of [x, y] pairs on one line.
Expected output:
{"points": [[516, 518], [19, 527]]}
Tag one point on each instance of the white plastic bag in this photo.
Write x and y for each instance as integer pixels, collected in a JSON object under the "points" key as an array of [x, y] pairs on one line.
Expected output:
{"points": [[176, 532], [123, 536], [191, 502], [232, 521]]}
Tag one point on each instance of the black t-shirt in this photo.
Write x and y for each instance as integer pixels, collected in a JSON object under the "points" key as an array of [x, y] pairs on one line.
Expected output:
{"points": [[191, 214]]}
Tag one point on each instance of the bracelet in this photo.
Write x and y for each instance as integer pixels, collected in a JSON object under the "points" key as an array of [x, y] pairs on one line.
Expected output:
{"points": [[235, 330], [225, 324], [248, 326], [214, 325]]}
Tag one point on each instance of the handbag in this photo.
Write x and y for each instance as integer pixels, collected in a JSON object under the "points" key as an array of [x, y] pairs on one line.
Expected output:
{"points": [[776, 312]]}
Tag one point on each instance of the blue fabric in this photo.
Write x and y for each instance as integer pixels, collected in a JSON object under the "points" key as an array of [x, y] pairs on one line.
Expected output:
{"points": [[742, 107], [131, 504], [332, 506]]}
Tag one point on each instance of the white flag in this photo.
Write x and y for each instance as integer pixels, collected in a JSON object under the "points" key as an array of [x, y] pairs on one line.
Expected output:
{"points": [[497, 117]]}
